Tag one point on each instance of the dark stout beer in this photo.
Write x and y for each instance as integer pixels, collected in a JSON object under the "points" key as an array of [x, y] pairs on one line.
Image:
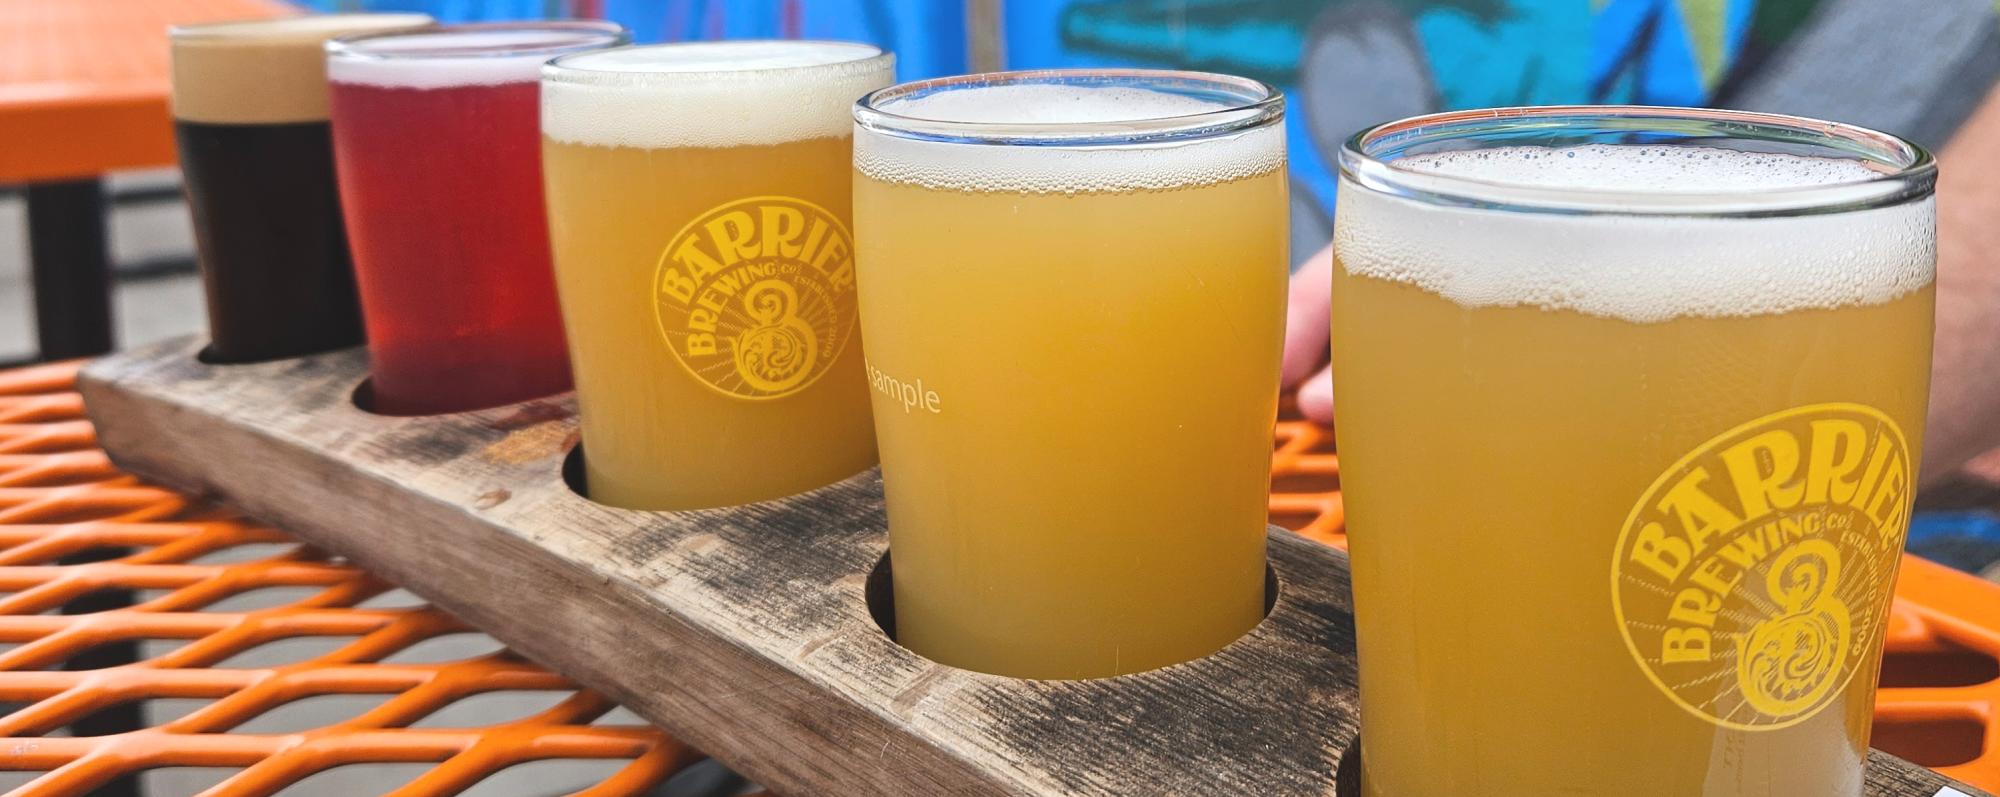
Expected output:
{"points": [[250, 116]]}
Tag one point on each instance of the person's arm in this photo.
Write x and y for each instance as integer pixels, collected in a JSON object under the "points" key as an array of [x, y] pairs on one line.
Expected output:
{"points": [[1965, 378], [1306, 330]]}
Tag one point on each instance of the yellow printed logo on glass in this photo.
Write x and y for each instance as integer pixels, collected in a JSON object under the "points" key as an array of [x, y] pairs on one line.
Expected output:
{"points": [[1750, 580], [756, 296]]}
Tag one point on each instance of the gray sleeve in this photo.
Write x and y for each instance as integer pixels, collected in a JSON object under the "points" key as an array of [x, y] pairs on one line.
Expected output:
{"points": [[1917, 69]]}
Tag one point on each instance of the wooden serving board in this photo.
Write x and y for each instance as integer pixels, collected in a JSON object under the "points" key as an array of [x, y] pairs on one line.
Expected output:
{"points": [[743, 631]]}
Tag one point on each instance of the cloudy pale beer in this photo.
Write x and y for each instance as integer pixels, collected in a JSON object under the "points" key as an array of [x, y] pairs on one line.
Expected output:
{"points": [[699, 201], [250, 119], [439, 142], [1073, 344], [1629, 454]]}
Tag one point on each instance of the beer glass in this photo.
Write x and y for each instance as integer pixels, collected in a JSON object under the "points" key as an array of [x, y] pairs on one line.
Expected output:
{"points": [[250, 119], [438, 138], [1629, 405], [699, 201], [1072, 295]]}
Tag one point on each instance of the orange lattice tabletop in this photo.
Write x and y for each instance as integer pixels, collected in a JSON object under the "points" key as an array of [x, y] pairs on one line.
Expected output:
{"points": [[83, 83], [187, 562]]}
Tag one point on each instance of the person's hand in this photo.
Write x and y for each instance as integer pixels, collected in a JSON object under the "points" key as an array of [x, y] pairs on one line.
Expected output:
{"points": [[1306, 331]]}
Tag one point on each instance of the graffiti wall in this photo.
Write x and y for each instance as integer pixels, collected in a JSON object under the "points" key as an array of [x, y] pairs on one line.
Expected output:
{"points": [[1346, 64], [1916, 68], [927, 37]]}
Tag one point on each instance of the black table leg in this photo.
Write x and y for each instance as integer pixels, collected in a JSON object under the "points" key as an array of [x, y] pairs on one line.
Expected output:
{"points": [[68, 252], [123, 717]]}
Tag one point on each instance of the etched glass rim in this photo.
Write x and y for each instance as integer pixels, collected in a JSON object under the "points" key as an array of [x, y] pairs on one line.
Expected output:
{"points": [[564, 36], [1244, 104], [1905, 170], [563, 70], [300, 26]]}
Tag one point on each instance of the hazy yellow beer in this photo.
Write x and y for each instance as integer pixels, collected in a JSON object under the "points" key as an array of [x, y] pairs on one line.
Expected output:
{"points": [[1628, 436], [699, 201], [1073, 344]]}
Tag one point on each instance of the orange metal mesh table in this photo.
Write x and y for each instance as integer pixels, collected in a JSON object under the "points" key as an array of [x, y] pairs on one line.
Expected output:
{"points": [[60, 496], [83, 83]]}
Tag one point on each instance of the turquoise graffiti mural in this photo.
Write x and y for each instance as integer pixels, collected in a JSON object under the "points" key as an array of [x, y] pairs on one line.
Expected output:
{"points": [[927, 37], [1913, 68], [1350, 63], [1346, 64]]}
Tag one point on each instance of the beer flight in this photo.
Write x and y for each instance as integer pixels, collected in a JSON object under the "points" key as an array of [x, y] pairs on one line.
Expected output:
{"points": [[1629, 400]]}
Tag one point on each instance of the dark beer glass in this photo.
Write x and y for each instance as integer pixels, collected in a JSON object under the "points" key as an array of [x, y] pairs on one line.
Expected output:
{"points": [[437, 135], [250, 118]]}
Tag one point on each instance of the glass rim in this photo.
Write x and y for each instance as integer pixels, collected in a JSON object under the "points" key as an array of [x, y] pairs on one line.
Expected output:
{"points": [[1908, 171], [304, 25], [1261, 104], [560, 66], [567, 35]]}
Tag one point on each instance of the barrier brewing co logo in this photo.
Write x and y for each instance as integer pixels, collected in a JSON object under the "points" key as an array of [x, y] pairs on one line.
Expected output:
{"points": [[1748, 579], [756, 296]]}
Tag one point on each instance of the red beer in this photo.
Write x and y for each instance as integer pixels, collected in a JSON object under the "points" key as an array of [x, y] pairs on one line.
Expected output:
{"points": [[437, 140]]}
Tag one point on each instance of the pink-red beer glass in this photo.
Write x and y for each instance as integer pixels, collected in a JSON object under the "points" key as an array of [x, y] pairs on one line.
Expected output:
{"points": [[437, 141]]}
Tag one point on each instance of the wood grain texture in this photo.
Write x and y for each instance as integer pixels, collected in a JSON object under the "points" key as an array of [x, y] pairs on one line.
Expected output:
{"points": [[743, 631]]}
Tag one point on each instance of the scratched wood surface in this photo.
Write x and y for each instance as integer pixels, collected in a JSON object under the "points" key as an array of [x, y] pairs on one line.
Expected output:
{"points": [[744, 631]]}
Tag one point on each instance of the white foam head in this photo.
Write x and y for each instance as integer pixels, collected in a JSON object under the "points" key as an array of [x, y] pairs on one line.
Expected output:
{"points": [[264, 71], [469, 55], [1043, 168], [310, 28], [1639, 267], [710, 94]]}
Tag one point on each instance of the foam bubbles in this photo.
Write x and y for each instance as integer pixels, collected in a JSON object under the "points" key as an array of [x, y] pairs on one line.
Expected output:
{"points": [[467, 57], [1042, 103], [714, 94], [1612, 167], [968, 166], [735, 56], [1639, 267], [312, 28], [267, 71]]}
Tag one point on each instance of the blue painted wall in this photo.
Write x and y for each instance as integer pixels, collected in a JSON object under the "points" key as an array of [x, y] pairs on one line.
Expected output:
{"points": [[927, 37]]}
